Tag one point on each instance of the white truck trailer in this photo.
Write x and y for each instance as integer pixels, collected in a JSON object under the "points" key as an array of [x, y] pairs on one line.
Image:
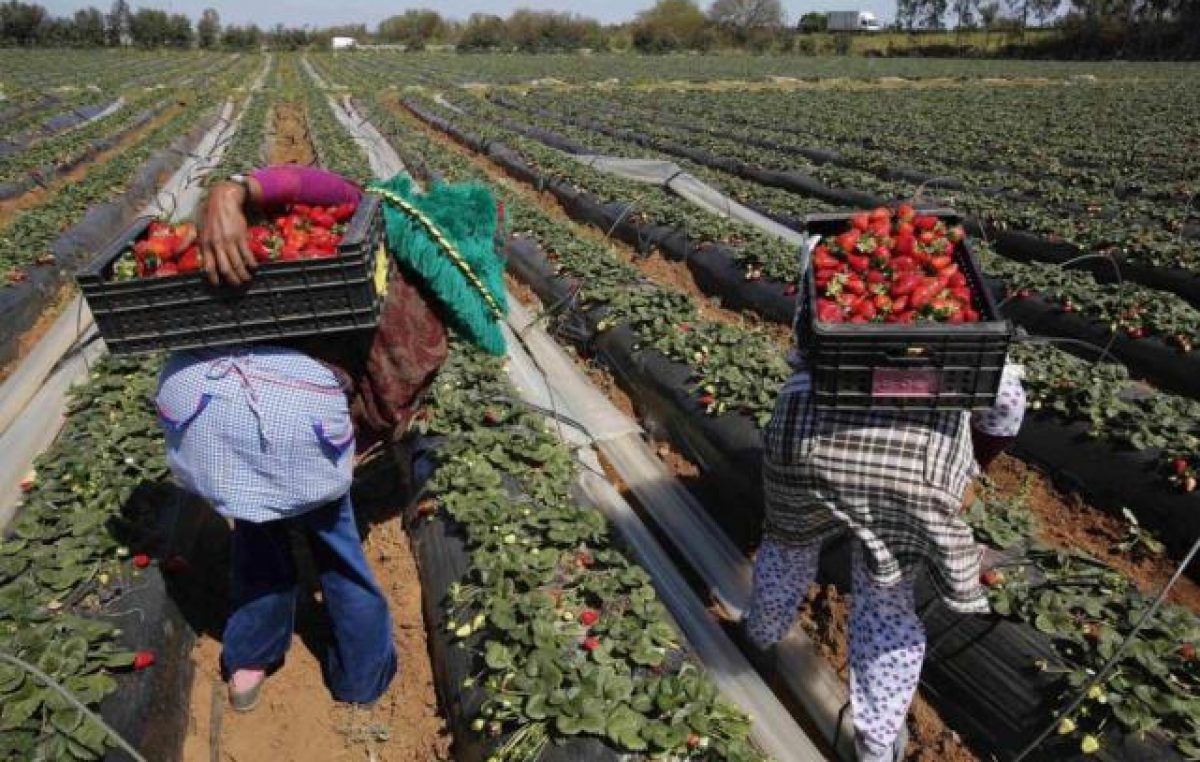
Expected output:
{"points": [[852, 21]]}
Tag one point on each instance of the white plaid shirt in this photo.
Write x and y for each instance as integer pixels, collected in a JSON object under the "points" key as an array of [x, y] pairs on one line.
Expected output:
{"points": [[261, 432]]}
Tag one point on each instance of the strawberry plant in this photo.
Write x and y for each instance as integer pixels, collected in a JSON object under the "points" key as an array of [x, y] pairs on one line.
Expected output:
{"points": [[336, 147], [573, 636], [247, 146], [1083, 606], [63, 563], [1087, 610], [25, 240]]}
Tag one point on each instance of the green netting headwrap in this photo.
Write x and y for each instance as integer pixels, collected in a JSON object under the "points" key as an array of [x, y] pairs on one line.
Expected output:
{"points": [[446, 236]]}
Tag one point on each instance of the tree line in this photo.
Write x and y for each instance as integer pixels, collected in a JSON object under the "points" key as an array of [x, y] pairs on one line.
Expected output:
{"points": [[1167, 28]]}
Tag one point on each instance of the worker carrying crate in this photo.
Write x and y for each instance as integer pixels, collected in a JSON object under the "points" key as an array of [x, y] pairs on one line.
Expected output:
{"points": [[307, 317], [900, 393]]}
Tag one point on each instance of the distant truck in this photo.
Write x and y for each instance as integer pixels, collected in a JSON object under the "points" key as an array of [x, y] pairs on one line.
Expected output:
{"points": [[343, 43], [852, 21]]}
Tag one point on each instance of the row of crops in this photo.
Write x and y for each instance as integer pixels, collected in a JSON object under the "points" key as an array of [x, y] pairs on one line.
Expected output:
{"points": [[1156, 329], [41, 89], [571, 640], [25, 240], [713, 72], [86, 540], [75, 565], [574, 639], [1059, 594]]}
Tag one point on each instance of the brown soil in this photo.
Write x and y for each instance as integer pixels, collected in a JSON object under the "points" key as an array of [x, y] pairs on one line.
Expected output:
{"points": [[297, 719], [1066, 521], [291, 141], [28, 340], [40, 195], [524, 293]]}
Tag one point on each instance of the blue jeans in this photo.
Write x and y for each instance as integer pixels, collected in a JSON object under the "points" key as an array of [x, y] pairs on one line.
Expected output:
{"points": [[362, 658]]}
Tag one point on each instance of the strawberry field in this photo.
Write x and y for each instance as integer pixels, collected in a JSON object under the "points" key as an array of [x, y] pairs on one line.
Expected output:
{"points": [[534, 619]]}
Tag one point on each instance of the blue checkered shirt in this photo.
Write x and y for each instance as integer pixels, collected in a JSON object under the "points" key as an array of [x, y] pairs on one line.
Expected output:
{"points": [[262, 433]]}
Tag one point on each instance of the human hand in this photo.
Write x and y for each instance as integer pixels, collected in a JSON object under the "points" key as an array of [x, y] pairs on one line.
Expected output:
{"points": [[224, 243]]}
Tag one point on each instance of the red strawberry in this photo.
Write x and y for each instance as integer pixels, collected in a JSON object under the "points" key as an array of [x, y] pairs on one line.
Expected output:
{"points": [[589, 617], [828, 312], [861, 221], [925, 293], [189, 260], [992, 578], [906, 284], [1187, 652], [823, 260], [162, 247], [925, 223], [1180, 465], [584, 559], [322, 218], [707, 399], [590, 643], [143, 659], [906, 213], [141, 561], [856, 285]]}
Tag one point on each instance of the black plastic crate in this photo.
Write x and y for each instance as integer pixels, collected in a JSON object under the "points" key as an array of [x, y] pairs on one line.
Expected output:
{"points": [[888, 366], [283, 300]]}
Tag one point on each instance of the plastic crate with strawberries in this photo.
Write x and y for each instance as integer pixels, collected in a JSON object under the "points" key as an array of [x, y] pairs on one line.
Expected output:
{"points": [[896, 314], [322, 270]]}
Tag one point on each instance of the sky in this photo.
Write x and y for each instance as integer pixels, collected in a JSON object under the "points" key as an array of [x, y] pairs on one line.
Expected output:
{"points": [[370, 12]]}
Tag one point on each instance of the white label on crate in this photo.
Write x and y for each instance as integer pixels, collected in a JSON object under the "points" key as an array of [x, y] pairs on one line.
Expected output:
{"points": [[899, 382]]}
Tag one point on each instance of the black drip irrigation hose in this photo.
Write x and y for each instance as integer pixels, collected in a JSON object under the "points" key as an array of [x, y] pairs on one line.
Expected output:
{"points": [[1112, 663]]}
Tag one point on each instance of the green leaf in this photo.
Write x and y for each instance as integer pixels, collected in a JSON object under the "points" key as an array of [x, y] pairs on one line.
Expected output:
{"points": [[536, 708], [497, 656], [16, 712]]}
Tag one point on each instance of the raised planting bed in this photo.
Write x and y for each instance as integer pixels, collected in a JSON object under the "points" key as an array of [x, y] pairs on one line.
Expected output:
{"points": [[1136, 463], [81, 593], [982, 673], [72, 234], [548, 642]]}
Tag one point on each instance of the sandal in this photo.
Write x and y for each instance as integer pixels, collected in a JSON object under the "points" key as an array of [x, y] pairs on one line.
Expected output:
{"points": [[245, 689]]}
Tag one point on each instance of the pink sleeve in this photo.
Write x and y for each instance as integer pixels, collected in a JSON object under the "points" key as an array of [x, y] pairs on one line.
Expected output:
{"points": [[285, 184]]}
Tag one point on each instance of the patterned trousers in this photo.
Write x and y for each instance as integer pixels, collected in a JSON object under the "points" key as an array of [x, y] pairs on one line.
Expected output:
{"points": [[887, 639]]}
